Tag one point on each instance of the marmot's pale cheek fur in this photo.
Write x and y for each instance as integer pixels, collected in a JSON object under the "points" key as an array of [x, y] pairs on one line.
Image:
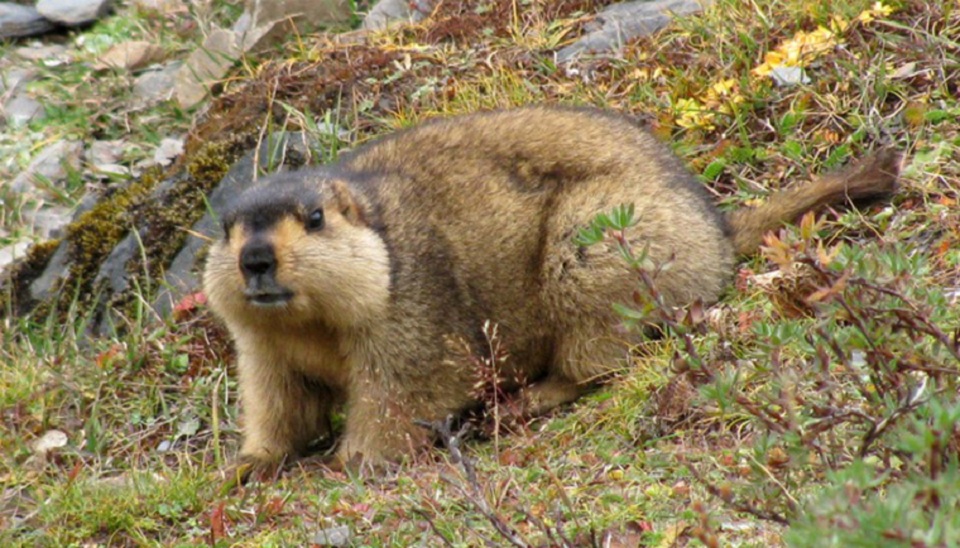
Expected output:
{"points": [[345, 284]]}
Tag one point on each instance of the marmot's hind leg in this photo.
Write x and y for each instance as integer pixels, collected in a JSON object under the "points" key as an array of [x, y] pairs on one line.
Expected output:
{"points": [[583, 357]]}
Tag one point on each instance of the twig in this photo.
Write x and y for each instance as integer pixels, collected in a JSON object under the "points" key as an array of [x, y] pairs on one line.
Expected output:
{"points": [[738, 506], [473, 494], [433, 526]]}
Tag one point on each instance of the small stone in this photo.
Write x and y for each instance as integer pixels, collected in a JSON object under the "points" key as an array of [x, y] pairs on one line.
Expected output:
{"points": [[42, 52], [333, 536], [789, 76], [104, 152], [907, 70], [386, 12], [205, 66], [12, 252], [16, 78], [168, 150], [50, 164], [48, 222], [132, 55], [50, 440], [156, 85], [73, 12], [17, 21], [160, 6], [22, 109]]}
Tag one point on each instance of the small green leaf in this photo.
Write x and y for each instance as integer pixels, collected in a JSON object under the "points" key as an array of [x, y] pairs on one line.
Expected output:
{"points": [[629, 313], [714, 169], [938, 115]]}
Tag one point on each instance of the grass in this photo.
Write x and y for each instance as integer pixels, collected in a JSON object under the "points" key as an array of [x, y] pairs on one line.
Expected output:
{"points": [[809, 407]]}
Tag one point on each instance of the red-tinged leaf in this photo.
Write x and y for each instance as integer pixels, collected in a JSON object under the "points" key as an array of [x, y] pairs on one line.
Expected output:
{"points": [[696, 313], [274, 506], [745, 322], [642, 526], [828, 292], [509, 457], [217, 527], [189, 304], [105, 359], [74, 472]]}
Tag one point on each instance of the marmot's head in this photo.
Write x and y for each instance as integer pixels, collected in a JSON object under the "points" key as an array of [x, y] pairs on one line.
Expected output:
{"points": [[297, 250]]}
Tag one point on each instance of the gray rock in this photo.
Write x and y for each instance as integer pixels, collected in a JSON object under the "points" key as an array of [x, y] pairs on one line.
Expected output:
{"points": [[306, 14], [15, 79], [789, 76], [205, 66], [22, 109], [47, 283], [132, 55], [333, 536], [113, 277], [11, 253], [266, 22], [386, 12], [156, 85], [620, 23], [181, 278], [51, 164], [42, 52], [48, 222], [17, 21], [73, 12], [101, 153], [168, 150]]}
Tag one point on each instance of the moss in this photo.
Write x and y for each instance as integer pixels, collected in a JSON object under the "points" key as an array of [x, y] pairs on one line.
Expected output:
{"points": [[93, 236]]}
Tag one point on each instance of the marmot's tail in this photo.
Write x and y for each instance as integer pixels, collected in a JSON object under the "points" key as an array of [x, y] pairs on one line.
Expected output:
{"points": [[873, 177]]}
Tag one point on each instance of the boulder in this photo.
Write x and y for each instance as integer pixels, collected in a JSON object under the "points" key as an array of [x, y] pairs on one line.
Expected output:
{"points": [[17, 21], [617, 24], [386, 12], [73, 12]]}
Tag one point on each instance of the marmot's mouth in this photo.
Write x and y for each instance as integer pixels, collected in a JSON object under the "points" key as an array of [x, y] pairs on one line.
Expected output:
{"points": [[268, 298]]}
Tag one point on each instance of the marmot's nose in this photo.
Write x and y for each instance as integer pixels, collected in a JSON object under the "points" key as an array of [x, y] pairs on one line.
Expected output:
{"points": [[257, 258]]}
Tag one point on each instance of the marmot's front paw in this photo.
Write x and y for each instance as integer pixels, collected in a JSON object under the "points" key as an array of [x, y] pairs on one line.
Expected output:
{"points": [[248, 467]]}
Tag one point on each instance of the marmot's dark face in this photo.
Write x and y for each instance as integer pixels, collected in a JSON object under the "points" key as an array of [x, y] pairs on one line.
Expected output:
{"points": [[296, 250]]}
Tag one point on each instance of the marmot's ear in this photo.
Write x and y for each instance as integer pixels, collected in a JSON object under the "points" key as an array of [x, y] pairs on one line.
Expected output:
{"points": [[343, 199]]}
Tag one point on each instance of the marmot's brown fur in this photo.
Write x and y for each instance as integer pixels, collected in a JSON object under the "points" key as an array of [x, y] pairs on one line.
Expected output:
{"points": [[344, 284]]}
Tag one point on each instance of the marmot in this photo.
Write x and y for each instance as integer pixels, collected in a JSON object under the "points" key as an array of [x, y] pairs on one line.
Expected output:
{"points": [[343, 284]]}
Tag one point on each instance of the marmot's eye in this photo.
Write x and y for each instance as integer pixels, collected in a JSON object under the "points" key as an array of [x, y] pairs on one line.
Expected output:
{"points": [[315, 220]]}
